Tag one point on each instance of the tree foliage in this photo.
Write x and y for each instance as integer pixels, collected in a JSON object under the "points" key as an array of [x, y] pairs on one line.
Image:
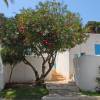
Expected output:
{"points": [[43, 32], [93, 27], [7, 2]]}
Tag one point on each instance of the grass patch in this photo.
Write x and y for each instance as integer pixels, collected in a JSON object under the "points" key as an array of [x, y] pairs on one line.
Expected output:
{"points": [[23, 93], [89, 93]]}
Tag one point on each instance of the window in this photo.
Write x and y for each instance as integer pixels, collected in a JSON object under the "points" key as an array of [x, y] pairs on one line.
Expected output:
{"points": [[97, 49]]}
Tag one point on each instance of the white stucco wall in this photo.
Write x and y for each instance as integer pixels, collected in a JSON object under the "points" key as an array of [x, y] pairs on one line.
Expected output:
{"points": [[62, 64], [22, 72], [1, 75], [88, 47], [86, 72]]}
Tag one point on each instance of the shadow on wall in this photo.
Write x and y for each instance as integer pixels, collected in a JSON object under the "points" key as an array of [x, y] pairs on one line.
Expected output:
{"points": [[22, 72]]}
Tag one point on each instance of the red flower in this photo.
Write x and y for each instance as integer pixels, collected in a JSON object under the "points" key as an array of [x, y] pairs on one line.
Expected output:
{"points": [[45, 42], [40, 33]]}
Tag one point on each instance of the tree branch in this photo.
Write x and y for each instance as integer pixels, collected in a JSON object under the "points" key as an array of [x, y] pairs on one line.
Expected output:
{"points": [[33, 68], [50, 65], [12, 68]]}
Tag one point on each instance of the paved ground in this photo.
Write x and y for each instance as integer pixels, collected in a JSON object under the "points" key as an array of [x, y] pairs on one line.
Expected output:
{"points": [[71, 98], [62, 91]]}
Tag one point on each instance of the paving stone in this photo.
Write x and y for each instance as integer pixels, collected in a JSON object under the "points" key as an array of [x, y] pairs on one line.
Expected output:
{"points": [[2, 99], [66, 92]]}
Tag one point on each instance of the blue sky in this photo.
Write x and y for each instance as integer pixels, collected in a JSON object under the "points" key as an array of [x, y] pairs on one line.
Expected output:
{"points": [[88, 9]]}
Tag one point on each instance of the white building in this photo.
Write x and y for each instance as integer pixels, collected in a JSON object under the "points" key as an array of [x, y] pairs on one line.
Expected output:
{"points": [[69, 65], [84, 69]]}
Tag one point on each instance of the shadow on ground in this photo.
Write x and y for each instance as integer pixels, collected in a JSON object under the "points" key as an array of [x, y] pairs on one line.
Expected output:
{"points": [[23, 92], [66, 91]]}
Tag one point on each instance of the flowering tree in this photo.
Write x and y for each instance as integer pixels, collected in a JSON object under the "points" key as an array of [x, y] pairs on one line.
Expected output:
{"points": [[43, 32]]}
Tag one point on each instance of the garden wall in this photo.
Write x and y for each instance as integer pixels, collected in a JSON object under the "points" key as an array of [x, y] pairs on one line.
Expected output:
{"points": [[1, 75], [87, 69], [62, 64], [88, 47], [22, 72]]}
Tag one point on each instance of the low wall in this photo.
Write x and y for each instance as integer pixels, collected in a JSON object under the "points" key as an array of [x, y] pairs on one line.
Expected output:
{"points": [[62, 64], [22, 72], [86, 68], [1, 75]]}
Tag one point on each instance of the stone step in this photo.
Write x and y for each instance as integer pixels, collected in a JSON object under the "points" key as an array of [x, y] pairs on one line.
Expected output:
{"points": [[57, 76], [68, 87]]}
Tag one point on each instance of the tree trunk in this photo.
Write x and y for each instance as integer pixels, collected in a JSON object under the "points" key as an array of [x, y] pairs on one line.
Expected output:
{"points": [[50, 61], [33, 68], [12, 68]]}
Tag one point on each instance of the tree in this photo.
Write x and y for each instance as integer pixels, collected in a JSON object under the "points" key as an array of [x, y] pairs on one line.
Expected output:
{"points": [[11, 51], [93, 27], [45, 31], [2, 22], [6, 1]]}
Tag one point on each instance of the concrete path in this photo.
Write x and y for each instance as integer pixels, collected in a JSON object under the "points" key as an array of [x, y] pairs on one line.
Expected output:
{"points": [[63, 91], [70, 98]]}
